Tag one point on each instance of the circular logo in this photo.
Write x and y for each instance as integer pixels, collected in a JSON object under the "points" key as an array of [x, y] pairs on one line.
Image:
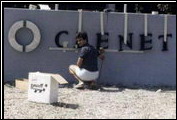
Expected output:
{"points": [[16, 27]]}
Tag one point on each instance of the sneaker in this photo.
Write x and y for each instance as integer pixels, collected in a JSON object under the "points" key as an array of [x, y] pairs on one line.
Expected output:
{"points": [[79, 86]]}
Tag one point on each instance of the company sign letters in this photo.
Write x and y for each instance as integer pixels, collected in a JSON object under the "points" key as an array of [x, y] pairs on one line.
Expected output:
{"points": [[145, 41]]}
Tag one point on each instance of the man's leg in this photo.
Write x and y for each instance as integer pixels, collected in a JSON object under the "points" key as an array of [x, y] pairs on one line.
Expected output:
{"points": [[72, 70]]}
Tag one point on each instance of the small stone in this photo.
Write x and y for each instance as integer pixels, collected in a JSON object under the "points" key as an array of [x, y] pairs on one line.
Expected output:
{"points": [[159, 90]]}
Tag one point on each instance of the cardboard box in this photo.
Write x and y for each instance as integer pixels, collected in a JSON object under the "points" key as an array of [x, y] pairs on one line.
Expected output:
{"points": [[22, 84], [43, 87]]}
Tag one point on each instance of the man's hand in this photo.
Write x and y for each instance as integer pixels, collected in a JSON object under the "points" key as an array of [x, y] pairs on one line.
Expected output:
{"points": [[101, 51], [102, 57]]}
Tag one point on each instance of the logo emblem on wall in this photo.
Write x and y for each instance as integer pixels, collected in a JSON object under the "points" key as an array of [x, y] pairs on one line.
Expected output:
{"points": [[24, 24]]}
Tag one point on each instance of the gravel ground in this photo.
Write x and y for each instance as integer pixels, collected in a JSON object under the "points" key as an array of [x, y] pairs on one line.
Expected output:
{"points": [[112, 102]]}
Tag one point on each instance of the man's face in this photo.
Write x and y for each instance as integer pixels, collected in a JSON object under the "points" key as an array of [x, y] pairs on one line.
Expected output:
{"points": [[81, 42]]}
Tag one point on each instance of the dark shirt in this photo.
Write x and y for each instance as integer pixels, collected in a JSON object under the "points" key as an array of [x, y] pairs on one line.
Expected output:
{"points": [[89, 55]]}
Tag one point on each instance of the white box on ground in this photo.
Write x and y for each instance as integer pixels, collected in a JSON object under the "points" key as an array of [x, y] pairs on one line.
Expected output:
{"points": [[43, 87]]}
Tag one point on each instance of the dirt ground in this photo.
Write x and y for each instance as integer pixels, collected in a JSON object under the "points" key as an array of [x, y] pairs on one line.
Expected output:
{"points": [[111, 102]]}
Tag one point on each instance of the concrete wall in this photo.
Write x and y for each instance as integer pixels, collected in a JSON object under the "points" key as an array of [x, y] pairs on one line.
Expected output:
{"points": [[153, 67]]}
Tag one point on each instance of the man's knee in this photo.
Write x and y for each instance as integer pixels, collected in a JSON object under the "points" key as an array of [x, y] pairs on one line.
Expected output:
{"points": [[72, 69]]}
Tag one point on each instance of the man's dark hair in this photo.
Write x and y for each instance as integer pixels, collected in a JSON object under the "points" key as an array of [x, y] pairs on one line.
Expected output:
{"points": [[82, 35]]}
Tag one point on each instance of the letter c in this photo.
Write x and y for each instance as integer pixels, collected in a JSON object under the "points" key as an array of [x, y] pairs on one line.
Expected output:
{"points": [[58, 36]]}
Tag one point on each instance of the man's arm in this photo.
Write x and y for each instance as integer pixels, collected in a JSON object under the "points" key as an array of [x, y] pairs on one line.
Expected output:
{"points": [[79, 61]]}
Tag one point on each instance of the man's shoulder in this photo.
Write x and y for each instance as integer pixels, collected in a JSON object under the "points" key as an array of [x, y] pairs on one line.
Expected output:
{"points": [[85, 48], [88, 48]]}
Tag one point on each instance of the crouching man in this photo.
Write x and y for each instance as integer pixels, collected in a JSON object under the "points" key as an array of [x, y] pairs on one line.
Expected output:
{"points": [[86, 69]]}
